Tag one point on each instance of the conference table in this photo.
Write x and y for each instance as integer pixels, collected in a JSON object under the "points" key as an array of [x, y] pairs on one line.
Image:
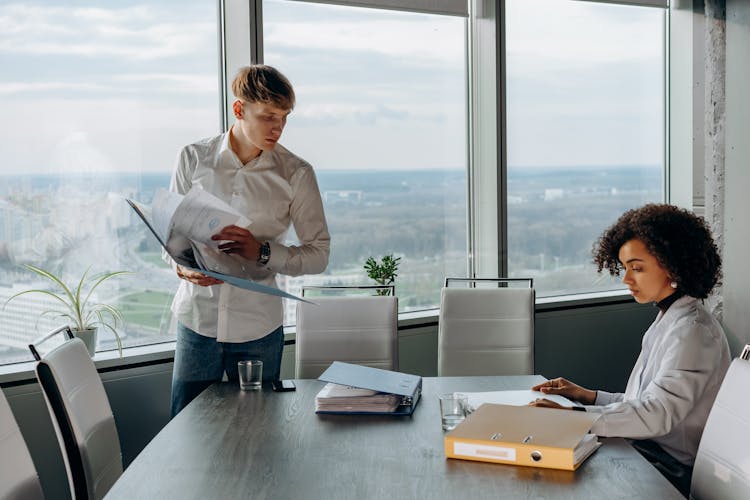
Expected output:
{"points": [[233, 444]]}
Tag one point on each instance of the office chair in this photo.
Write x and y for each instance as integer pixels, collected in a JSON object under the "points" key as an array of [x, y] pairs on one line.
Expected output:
{"points": [[722, 465], [81, 415], [354, 329], [486, 331], [18, 477]]}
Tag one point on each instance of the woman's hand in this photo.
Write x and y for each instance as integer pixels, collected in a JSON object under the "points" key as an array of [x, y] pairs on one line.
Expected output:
{"points": [[197, 278], [240, 241], [546, 403], [568, 389]]}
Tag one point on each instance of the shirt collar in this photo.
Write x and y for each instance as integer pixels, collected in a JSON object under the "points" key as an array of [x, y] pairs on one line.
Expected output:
{"points": [[664, 303], [225, 149]]}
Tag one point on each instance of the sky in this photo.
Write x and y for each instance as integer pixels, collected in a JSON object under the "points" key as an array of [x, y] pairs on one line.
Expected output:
{"points": [[91, 86]]}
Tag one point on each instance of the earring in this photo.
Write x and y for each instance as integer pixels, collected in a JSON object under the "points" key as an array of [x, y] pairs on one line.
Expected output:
{"points": [[673, 284]]}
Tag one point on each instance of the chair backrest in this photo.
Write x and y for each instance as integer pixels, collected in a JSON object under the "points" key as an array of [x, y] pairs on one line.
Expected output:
{"points": [[486, 331], [356, 329], [722, 465], [82, 418], [18, 477]]}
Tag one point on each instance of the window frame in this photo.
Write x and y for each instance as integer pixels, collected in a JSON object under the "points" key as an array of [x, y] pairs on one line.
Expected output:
{"points": [[487, 228]]}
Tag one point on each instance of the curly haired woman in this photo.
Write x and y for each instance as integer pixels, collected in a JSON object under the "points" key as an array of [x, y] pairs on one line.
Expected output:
{"points": [[668, 258]]}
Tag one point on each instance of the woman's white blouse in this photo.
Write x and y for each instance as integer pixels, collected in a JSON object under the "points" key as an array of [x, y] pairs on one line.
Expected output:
{"points": [[674, 382]]}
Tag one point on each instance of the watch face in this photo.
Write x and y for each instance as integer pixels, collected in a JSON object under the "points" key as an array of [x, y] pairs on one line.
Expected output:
{"points": [[265, 253]]}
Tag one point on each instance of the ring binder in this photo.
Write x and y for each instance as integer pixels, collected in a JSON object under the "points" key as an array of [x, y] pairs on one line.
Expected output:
{"points": [[407, 387]]}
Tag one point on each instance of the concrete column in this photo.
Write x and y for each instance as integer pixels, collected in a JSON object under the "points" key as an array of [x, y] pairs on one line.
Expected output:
{"points": [[715, 121]]}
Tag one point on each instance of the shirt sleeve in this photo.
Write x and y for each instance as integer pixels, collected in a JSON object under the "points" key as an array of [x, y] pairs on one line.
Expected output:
{"points": [[604, 398], [308, 217], [685, 370]]}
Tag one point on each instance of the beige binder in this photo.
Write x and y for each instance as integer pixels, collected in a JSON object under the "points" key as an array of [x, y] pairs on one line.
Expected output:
{"points": [[524, 435]]}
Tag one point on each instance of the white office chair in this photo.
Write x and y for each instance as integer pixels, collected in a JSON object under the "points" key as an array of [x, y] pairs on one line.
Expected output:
{"points": [[81, 415], [356, 329], [18, 477], [722, 465], [486, 331]]}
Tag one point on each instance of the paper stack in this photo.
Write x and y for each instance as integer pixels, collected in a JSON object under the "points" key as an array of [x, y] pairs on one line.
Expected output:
{"points": [[343, 398]]}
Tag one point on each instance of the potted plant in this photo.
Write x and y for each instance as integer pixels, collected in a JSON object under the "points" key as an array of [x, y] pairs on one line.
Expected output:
{"points": [[383, 272], [76, 305]]}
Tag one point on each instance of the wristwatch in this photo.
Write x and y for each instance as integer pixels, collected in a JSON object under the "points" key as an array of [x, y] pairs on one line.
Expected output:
{"points": [[265, 254]]}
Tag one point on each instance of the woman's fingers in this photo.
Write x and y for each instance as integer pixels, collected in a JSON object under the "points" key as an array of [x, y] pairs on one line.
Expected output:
{"points": [[545, 403]]}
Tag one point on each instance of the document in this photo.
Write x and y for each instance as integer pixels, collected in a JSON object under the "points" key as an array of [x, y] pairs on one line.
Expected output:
{"points": [[524, 435], [184, 224], [515, 398], [355, 388], [346, 399]]}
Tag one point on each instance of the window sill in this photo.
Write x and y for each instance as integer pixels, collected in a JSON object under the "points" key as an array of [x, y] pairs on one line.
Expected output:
{"points": [[107, 361]]}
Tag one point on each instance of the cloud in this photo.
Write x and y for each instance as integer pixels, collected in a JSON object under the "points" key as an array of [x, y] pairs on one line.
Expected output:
{"points": [[131, 33], [148, 84], [424, 43]]}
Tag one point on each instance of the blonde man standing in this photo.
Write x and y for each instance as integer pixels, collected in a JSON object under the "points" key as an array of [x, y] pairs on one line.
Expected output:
{"points": [[219, 324]]}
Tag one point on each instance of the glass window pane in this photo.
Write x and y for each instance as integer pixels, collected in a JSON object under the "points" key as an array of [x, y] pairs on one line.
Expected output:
{"points": [[94, 111], [381, 115], [585, 129]]}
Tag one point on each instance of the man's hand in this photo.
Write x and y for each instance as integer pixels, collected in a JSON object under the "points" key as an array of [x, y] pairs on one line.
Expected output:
{"points": [[568, 389], [197, 278], [240, 241]]}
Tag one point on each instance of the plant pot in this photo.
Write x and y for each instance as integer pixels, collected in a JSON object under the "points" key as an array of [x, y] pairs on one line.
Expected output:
{"points": [[89, 338]]}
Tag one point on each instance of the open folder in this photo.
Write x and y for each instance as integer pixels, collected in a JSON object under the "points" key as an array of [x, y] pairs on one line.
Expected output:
{"points": [[524, 435], [183, 226], [357, 389]]}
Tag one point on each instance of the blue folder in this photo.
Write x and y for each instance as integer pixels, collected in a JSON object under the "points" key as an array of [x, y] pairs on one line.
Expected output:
{"points": [[408, 386]]}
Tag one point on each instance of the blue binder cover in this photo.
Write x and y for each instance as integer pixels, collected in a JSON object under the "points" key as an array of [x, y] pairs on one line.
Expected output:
{"points": [[232, 280], [364, 377]]}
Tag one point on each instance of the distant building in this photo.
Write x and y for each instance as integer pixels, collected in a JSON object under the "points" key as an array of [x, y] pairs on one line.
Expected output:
{"points": [[339, 197], [551, 194]]}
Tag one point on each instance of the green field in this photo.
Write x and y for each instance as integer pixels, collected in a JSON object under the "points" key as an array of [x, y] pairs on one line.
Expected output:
{"points": [[145, 308]]}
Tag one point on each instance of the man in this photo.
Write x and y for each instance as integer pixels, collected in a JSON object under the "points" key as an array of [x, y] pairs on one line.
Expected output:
{"points": [[219, 324]]}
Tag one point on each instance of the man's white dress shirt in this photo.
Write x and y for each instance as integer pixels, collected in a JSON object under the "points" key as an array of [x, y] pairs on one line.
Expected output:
{"points": [[674, 382], [274, 190]]}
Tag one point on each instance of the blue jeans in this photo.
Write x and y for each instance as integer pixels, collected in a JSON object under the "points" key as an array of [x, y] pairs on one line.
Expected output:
{"points": [[200, 361]]}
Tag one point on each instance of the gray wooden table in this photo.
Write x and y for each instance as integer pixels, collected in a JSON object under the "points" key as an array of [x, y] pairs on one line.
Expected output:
{"points": [[233, 444]]}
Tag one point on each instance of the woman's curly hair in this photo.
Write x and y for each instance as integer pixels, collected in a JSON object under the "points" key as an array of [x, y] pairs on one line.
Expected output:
{"points": [[679, 240]]}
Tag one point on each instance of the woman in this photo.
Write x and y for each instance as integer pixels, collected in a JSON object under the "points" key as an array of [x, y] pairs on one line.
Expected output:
{"points": [[669, 258]]}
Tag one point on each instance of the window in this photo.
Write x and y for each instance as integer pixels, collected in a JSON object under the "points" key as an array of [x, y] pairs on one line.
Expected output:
{"points": [[381, 115], [585, 132], [97, 110], [94, 111]]}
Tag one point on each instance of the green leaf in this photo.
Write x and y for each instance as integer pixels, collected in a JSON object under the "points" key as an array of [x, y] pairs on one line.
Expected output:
{"points": [[80, 313]]}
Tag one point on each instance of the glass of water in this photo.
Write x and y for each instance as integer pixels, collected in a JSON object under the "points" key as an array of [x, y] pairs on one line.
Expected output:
{"points": [[453, 409]]}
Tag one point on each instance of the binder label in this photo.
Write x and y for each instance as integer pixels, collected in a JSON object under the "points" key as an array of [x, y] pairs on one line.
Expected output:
{"points": [[485, 451]]}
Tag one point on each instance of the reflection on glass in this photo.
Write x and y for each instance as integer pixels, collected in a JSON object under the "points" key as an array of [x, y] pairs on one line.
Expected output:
{"points": [[93, 112], [381, 115], [585, 131]]}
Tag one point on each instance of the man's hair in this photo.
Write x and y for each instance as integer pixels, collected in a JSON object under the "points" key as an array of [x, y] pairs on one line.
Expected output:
{"points": [[679, 240], [262, 83]]}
